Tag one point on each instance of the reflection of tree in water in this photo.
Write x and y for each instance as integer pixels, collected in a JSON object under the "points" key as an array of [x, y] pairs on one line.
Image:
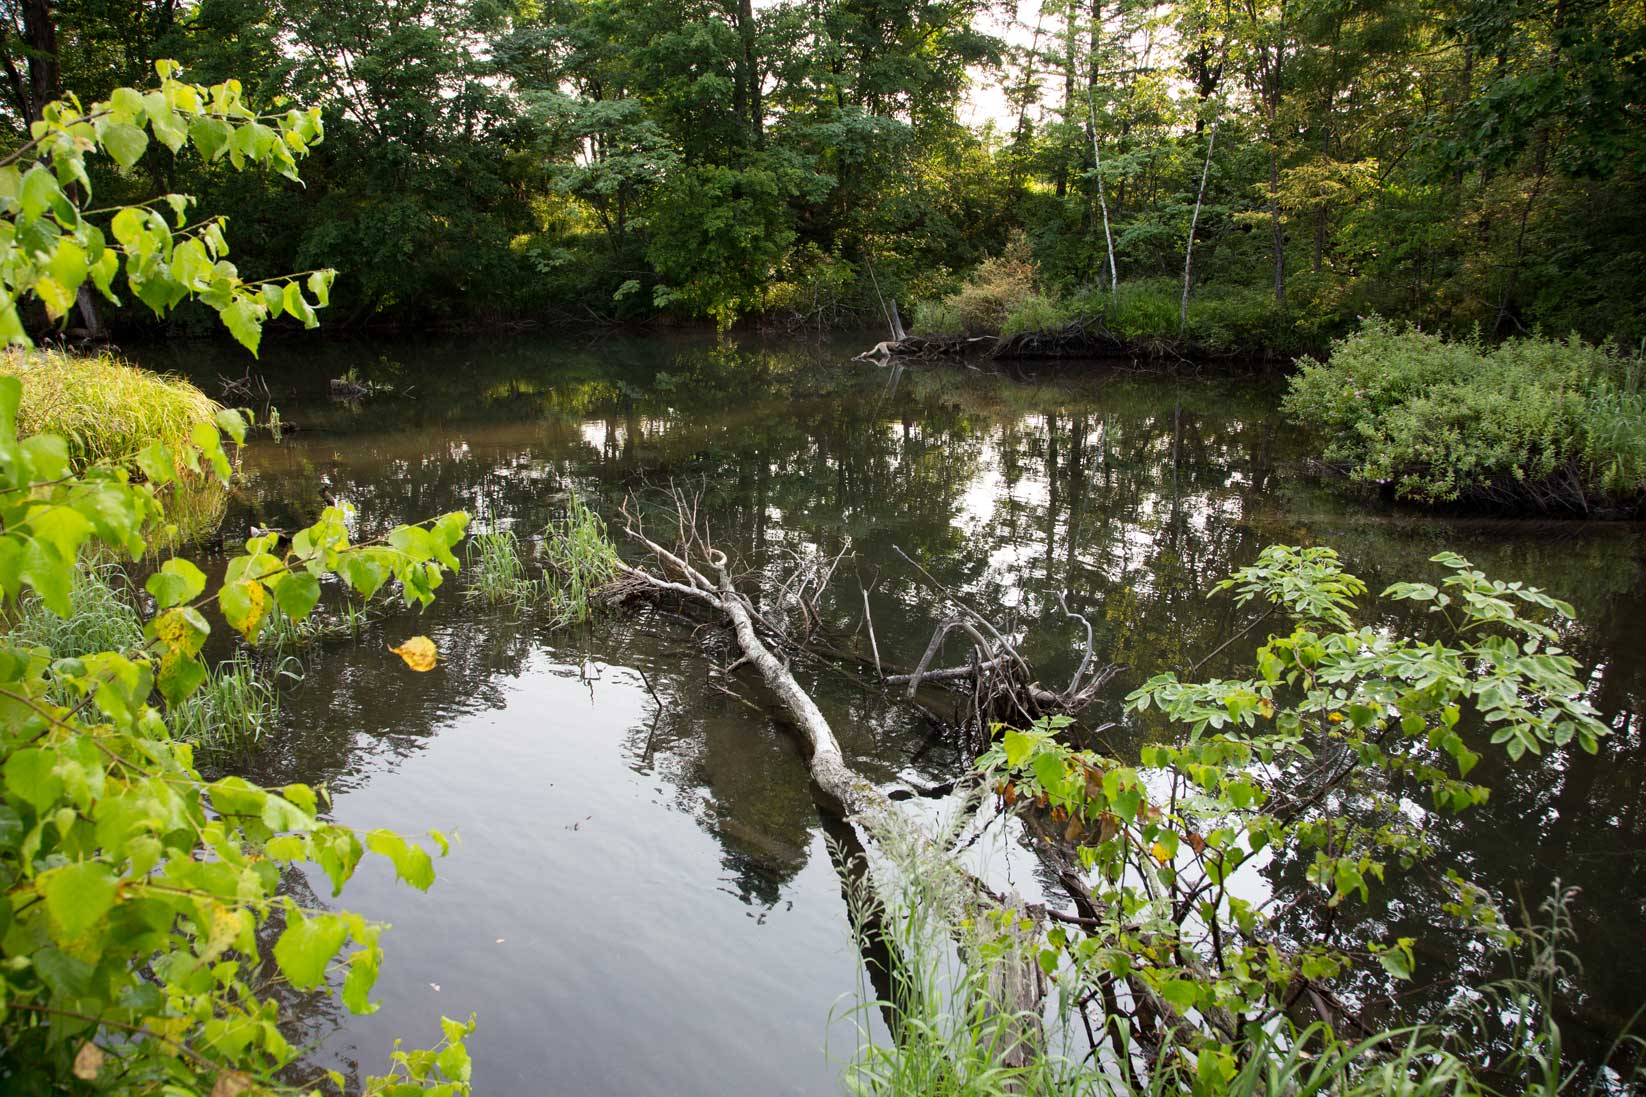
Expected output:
{"points": [[1132, 494]]}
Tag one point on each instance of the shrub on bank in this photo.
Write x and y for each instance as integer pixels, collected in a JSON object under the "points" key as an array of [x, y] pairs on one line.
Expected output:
{"points": [[108, 410], [1550, 425], [998, 287], [1144, 312]]}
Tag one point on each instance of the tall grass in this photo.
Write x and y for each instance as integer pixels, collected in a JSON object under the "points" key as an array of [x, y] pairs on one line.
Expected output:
{"points": [[101, 617], [238, 703], [578, 559], [108, 411], [497, 571], [283, 635], [106, 408]]}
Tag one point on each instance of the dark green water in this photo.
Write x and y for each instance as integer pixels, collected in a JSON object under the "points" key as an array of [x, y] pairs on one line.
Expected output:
{"points": [[642, 900]]}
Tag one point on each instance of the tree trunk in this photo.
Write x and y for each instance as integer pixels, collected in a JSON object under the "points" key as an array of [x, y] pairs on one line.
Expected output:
{"points": [[1194, 221]]}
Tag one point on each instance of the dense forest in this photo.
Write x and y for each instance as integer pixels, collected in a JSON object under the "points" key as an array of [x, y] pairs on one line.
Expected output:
{"points": [[1467, 165]]}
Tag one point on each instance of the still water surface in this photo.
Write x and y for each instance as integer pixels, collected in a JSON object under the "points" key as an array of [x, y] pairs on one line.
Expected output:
{"points": [[642, 900]]}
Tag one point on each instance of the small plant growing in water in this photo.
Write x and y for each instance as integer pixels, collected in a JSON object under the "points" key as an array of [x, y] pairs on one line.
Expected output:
{"points": [[578, 559], [497, 572], [236, 704]]}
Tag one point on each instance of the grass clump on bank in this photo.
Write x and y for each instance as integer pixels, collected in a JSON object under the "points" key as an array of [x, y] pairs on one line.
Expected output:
{"points": [[1006, 297], [105, 408], [1539, 424], [108, 411], [100, 618]]}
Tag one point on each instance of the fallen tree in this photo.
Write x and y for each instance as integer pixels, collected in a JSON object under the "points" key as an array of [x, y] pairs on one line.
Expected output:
{"points": [[1004, 931]]}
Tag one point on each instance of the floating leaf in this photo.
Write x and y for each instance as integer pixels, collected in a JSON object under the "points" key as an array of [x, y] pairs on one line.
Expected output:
{"points": [[418, 652], [88, 1062]]}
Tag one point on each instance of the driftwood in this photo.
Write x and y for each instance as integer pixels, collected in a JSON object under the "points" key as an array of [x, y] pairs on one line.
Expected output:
{"points": [[910, 347], [697, 571]]}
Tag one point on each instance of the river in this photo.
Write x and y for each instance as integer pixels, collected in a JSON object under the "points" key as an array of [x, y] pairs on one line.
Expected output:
{"points": [[642, 899]]}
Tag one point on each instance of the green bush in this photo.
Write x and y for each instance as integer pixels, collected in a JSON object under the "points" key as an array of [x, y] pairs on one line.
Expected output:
{"points": [[998, 287], [1554, 425], [105, 408]]}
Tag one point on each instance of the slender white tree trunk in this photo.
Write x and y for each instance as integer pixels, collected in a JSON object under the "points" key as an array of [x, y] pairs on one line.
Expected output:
{"points": [[1194, 221], [1102, 199]]}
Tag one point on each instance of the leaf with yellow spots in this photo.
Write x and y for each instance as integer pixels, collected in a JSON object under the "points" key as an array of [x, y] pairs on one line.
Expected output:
{"points": [[244, 604], [418, 652], [180, 630]]}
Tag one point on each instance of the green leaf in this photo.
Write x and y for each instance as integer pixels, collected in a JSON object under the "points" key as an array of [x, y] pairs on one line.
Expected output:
{"points": [[47, 456], [232, 423], [125, 142], [320, 286], [411, 862], [31, 777], [244, 322], [40, 190], [296, 592], [157, 463], [180, 675], [307, 946], [78, 896], [1181, 993], [176, 582], [244, 604]]}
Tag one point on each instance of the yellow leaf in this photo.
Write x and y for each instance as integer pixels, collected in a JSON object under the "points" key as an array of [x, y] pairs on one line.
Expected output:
{"points": [[231, 1083], [418, 652], [88, 1062]]}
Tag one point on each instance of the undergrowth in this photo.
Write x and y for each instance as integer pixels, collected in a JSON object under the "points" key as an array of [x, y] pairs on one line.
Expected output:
{"points": [[101, 617], [943, 1030], [109, 410], [1544, 424], [282, 634], [105, 408]]}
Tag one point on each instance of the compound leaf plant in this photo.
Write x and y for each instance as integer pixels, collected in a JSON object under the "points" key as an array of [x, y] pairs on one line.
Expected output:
{"points": [[144, 931], [1332, 756]]}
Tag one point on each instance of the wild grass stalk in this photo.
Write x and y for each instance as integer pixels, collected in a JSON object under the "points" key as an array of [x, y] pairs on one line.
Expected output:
{"points": [[237, 704], [105, 408], [101, 617], [108, 410], [578, 559], [497, 571], [282, 635]]}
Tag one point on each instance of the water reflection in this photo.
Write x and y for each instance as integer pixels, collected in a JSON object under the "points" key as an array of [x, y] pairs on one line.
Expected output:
{"points": [[1131, 494]]}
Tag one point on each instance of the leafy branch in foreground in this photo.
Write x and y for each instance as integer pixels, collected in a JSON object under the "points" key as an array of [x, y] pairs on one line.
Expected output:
{"points": [[53, 242], [133, 889], [134, 894], [1316, 763]]}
